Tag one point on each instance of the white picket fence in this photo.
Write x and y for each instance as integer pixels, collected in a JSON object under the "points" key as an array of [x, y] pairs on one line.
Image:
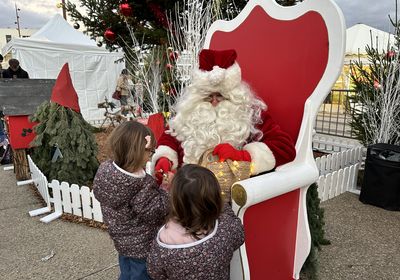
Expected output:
{"points": [[329, 144], [66, 198], [75, 200], [40, 182], [338, 172]]}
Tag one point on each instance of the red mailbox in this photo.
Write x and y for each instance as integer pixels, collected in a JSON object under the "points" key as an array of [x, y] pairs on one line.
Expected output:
{"points": [[21, 131], [20, 99]]}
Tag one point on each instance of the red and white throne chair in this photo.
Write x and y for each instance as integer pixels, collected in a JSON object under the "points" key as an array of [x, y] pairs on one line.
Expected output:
{"points": [[291, 57]]}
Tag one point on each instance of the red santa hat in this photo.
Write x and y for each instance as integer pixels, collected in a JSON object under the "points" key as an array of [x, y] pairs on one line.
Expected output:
{"points": [[63, 92], [218, 72]]}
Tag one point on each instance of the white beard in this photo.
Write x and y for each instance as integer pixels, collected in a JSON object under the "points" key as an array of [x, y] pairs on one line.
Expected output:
{"points": [[203, 126]]}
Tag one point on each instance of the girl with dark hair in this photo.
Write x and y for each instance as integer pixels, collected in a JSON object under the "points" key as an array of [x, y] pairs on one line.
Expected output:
{"points": [[201, 235], [133, 205]]}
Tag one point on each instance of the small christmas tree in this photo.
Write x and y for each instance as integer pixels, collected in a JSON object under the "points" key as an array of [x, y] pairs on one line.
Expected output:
{"points": [[64, 148], [375, 109]]}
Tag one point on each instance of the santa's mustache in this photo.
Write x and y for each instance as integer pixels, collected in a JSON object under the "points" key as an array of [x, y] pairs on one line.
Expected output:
{"points": [[205, 111]]}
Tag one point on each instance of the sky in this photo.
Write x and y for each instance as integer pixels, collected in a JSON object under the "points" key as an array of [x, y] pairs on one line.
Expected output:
{"points": [[35, 13]]}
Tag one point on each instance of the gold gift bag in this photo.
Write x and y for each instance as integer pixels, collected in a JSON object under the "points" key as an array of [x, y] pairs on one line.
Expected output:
{"points": [[227, 172]]}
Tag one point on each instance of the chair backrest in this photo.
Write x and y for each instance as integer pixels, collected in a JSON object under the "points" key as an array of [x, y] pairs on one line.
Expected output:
{"points": [[283, 53], [291, 57]]}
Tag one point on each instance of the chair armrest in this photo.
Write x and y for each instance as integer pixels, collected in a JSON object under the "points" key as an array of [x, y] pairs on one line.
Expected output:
{"points": [[285, 179]]}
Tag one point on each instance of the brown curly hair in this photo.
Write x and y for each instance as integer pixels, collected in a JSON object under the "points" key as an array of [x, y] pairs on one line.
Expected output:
{"points": [[196, 201]]}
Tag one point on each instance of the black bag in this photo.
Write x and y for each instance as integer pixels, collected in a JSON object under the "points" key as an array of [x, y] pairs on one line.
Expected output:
{"points": [[117, 95], [381, 184]]}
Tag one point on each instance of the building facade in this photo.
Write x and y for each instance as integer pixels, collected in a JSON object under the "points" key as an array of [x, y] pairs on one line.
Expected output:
{"points": [[6, 34]]}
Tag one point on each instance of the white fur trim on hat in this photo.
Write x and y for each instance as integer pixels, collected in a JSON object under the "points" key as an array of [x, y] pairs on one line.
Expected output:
{"points": [[262, 157], [217, 80], [164, 151]]}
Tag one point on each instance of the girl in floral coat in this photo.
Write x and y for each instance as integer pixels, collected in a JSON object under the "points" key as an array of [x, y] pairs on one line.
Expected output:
{"points": [[201, 235], [133, 205]]}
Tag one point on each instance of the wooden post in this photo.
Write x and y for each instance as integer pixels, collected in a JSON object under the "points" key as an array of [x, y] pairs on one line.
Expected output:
{"points": [[21, 167]]}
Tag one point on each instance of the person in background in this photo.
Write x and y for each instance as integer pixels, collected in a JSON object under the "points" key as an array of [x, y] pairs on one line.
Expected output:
{"points": [[133, 205], [15, 71], [1, 67], [201, 234], [123, 86], [2, 133]]}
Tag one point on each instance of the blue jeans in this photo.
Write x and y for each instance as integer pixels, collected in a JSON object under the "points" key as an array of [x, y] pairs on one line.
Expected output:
{"points": [[124, 101], [132, 269], [2, 132]]}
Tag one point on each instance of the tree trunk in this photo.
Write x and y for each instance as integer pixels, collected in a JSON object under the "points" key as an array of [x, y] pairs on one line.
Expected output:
{"points": [[21, 167]]}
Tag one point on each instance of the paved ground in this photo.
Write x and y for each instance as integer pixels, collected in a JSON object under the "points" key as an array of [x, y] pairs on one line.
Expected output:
{"points": [[80, 252], [365, 241]]}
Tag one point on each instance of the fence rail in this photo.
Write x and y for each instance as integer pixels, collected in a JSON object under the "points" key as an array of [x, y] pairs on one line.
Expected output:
{"points": [[335, 114], [329, 144]]}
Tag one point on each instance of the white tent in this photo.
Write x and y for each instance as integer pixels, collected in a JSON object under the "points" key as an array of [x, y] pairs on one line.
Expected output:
{"points": [[94, 70], [360, 35]]}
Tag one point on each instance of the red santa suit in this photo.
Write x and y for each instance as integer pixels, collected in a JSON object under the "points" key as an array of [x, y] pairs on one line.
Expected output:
{"points": [[240, 119]]}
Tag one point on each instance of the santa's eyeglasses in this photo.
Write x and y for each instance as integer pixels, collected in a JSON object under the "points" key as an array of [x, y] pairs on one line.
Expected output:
{"points": [[215, 95]]}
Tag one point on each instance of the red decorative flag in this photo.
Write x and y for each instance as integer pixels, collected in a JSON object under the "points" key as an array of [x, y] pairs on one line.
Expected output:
{"points": [[64, 93]]}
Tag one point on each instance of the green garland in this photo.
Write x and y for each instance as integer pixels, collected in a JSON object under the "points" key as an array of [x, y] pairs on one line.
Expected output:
{"points": [[316, 222]]}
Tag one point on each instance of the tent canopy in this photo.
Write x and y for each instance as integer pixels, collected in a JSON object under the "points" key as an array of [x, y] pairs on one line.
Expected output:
{"points": [[359, 36], [58, 30], [93, 69], [56, 34]]}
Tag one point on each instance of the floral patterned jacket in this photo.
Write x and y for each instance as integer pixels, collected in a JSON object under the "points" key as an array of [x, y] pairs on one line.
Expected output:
{"points": [[208, 258], [133, 208]]}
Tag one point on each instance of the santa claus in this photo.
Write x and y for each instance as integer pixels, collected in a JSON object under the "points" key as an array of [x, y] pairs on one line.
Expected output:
{"points": [[219, 111]]}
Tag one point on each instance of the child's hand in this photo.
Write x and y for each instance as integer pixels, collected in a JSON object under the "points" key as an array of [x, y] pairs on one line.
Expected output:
{"points": [[167, 179], [163, 166]]}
